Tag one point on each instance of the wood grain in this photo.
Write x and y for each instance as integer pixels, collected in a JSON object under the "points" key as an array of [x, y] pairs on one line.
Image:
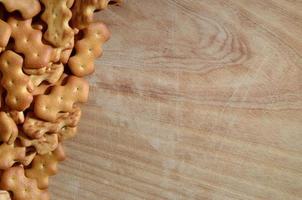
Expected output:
{"points": [[193, 99]]}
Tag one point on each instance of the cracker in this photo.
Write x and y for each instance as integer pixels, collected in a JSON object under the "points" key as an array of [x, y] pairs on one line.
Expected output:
{"points": [[61, 99], [8, 128], [17, 85], [43, 145], [67, 133], [11, 154], [44, 166], [88, 49], [5, 33], [23, 188], [50, 74], [36, 128], [43, 87], [57, 15], [83, 10], [28, 41], [27, 8]]}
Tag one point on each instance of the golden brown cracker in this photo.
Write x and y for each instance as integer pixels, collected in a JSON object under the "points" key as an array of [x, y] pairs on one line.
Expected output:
{"points": [[11, 154], [5, 33], [88, 49], [17, 85], [36, 128], [23, 188], [57, 15], [61, 99], [43, 87], [28, 41], [43, 145], [44, 166], [83, 10], [8, 128], [27, 8], [50, 74]]}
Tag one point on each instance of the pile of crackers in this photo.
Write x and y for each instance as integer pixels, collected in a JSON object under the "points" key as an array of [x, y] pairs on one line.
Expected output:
{"points": [[47, 47]]}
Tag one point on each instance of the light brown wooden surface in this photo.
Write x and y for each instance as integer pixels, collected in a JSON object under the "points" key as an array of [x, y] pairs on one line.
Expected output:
{"points": [[193, 99]]}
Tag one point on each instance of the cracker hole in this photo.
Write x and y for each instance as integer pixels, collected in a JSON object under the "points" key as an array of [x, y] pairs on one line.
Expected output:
{"points": [[15, 100]]}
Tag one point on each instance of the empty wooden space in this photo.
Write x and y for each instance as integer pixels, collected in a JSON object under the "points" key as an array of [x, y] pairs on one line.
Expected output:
{"points": [[193, 99]]}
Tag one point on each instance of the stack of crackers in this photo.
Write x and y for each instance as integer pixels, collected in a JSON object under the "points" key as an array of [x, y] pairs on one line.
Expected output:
{"points": [[46, 48]]}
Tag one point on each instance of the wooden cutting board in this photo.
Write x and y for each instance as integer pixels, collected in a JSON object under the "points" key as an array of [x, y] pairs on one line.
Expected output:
{"points": [[193, 99]]}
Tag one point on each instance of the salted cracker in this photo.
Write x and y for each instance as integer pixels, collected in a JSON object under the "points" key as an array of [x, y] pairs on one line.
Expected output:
{"points": [[61, 99], [17, 84], [27, 8], [34, 127], [57, 15], [44, 166], [5, 33], [28, 41], [88, 49], [83, 11], [50, 74], [43, 145], [11, 154], [23, 188], [8, 128]]}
